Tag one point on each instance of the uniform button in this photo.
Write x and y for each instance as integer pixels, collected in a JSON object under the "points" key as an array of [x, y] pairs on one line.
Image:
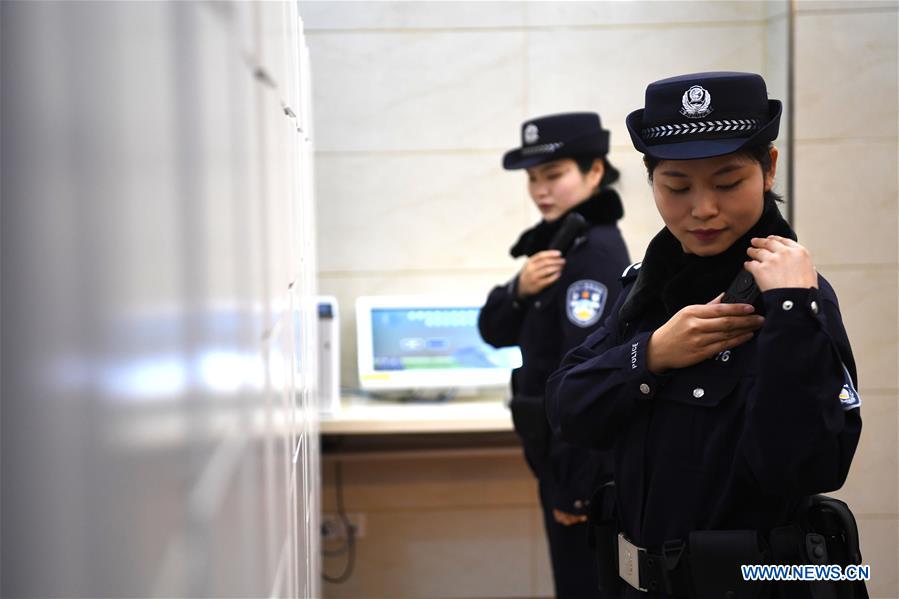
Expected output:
{"points": [[537, 304], [644, 389], [814, 307], [698, 392], [787, 305], [578, 504]]}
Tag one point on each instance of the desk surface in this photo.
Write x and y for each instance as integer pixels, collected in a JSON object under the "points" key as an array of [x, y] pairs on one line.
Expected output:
{"points": [[365, 416]]}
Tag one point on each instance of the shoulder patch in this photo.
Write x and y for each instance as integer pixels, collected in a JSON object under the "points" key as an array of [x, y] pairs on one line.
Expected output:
{"points": [[585, 301], [849, 397], [631, 271]]}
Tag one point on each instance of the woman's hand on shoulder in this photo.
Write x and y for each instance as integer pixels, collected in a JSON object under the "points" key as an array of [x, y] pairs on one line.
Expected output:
{"points": [[780, 262], [699, 332], [539, 272]]}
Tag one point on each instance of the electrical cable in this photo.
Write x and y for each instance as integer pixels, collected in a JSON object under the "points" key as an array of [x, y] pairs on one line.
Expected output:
{"points": [[349, 547]]}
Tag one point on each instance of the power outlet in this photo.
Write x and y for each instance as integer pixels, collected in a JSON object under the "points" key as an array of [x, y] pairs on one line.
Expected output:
{"points": [[333, 528]]}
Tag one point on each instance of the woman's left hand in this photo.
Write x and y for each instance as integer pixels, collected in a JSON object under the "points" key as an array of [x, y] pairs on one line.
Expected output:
{"points": [[780, 262], [566, 519]]}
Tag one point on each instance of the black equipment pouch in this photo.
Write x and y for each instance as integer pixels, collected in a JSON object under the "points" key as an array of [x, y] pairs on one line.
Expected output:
{"points": [[831, 537], [715, 560], [529, 418], [603, 526]]}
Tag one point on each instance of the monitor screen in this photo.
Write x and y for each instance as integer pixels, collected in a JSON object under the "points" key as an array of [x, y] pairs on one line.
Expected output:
{"points": [[427, 342]]}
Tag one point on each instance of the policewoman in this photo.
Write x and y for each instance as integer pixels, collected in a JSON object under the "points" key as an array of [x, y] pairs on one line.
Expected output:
{"points": [[570, 278], [723, 417]]}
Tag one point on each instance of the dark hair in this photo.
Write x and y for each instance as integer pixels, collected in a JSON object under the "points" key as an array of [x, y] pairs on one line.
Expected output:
{"points": [[760, 153], [610, 173]]}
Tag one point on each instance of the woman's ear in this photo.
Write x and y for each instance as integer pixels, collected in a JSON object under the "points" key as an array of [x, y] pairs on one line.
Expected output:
{"points": [[772, 172], [596, 172]]}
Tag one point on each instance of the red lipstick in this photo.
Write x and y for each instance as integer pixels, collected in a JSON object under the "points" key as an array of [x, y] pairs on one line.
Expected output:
{"points": [[706, 235]]}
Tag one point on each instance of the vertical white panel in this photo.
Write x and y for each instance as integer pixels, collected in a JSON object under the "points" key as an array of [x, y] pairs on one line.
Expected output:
{"points": [[149, 240]]}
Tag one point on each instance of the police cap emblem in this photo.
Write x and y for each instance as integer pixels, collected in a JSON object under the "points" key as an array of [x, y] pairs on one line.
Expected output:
{"points": [[696, 102], [585, 301], [531, 134]]}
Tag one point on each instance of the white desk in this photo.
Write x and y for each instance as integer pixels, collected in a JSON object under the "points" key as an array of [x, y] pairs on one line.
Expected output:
{"points": [[365, 416]]}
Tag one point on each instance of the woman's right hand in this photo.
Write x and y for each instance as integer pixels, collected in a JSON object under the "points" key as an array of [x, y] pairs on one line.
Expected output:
{"points": [[539, 272], [698, 332]]}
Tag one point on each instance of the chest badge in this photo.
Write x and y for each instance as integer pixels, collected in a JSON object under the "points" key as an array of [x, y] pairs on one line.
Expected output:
{"points": [[584, 302]]}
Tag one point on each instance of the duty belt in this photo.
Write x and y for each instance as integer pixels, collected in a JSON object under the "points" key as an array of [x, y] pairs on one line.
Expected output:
{"points": [[706, 563], [656, 572]]}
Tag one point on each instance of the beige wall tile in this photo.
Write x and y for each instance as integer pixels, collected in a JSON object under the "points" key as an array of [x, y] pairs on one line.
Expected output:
{"points": [[868, 305], [807, 6], [777, 9], [845, 209], [879, 539], [419, 210], [416, 91], [872, 484], [845, 81], [609, 72], [418, 483], [777, 32], [441, 553], [404, 15], [549, 14]]}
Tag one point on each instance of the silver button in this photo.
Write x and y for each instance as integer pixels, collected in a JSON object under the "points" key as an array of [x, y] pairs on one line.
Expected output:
{"points": [[698, 392], [787, 305], [814, 307], [644, 389], [537, 304], [578, 504]]}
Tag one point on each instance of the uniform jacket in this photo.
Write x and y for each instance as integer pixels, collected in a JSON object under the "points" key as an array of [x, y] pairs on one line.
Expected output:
{"points": [[547, 325], [733, 442]]}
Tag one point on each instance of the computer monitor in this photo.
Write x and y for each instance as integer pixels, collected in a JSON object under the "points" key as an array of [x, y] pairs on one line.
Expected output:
{"points": [[427, 342]]}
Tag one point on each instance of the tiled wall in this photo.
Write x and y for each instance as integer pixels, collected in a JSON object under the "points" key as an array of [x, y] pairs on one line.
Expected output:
{"points": [[157, 262], [846, 213]]}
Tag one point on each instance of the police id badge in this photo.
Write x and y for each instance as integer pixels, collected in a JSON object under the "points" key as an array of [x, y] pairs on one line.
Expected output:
{"points": [[849, 397], [584, 302]]}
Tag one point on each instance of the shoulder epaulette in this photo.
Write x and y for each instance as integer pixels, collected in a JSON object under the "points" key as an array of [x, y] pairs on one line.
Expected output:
{"points": [[631, 271]]}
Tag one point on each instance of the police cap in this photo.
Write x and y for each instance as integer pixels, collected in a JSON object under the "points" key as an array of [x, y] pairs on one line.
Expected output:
{"points": [[556, 136], [703, 115]]}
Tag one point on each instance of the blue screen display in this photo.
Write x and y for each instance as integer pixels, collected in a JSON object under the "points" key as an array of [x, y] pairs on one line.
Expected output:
{"points": [[434, 338]]}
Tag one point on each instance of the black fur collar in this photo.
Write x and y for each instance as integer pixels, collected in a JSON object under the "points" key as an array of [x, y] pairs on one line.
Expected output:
{"points": [[676, 279], [600, 209]]}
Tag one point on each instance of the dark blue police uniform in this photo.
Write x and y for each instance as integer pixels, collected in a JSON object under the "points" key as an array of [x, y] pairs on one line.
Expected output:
{"points": [[735, 443], [546, 326]]}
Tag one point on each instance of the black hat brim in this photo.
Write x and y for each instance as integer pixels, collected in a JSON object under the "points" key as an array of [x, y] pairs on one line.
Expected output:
{"points": [[594, 144], [513, 160], [704, 148]]}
